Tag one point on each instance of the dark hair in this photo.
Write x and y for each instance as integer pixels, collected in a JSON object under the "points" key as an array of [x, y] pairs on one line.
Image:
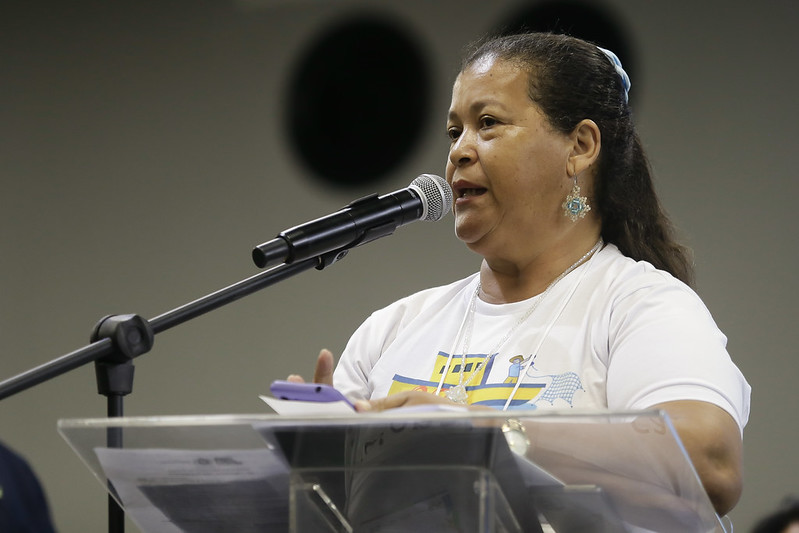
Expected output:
{"points": [[572, 80]]}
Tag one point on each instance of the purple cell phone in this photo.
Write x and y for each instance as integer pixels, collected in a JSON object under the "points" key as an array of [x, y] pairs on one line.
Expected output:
{"points": [[307, 392]]}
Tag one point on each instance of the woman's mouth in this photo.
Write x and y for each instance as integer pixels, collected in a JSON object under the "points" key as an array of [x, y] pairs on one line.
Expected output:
{"points": [[465, 193]]}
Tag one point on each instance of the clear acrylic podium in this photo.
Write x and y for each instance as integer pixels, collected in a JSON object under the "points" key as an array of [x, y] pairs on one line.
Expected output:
{"points": [[408, 470]]}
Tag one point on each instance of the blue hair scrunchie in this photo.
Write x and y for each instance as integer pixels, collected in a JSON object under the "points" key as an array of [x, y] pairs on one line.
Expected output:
{"points": [[625, 79]]}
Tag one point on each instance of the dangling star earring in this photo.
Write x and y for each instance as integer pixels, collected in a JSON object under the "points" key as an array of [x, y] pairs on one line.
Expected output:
{"points": [[575, 206]]}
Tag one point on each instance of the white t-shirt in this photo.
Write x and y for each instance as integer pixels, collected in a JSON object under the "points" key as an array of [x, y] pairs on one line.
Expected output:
{"points": [[630, 336]]}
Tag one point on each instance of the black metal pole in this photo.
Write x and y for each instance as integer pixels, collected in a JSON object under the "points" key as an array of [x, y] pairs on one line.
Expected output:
{"points": [[116, 515], [107, 347], [117, 339]]}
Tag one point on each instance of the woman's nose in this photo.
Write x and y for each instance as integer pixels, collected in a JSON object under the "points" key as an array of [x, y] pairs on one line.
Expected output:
{"points": [[462, 150]]}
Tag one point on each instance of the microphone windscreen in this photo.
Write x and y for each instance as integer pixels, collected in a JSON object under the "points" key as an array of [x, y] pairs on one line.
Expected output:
{"points": [[436, 196]]}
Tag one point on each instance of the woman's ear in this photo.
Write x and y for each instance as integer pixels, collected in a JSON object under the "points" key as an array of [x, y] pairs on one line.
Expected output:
{"points": [[586, 143]]}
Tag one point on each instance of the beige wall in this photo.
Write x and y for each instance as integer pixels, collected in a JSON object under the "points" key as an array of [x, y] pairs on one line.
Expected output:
{"points": [[143, 157]]}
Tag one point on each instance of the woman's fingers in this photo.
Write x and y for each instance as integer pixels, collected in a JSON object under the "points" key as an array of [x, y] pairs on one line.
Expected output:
{"points": [[323, 373], [324, 368], [402, 399]]}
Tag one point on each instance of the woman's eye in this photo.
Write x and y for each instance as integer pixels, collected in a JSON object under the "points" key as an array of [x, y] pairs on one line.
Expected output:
{"points": [[487, 122], [453, 133]]}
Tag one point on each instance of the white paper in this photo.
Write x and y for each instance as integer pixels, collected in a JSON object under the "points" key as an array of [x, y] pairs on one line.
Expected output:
{"points": [[150, 482], [299, 407]]}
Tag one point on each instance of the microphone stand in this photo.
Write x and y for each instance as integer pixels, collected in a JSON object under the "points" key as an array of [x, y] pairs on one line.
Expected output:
{"points": [[117, 339]]}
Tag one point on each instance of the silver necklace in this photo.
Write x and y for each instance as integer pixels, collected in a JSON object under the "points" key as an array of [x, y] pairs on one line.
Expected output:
{"points": [[458, 392]]}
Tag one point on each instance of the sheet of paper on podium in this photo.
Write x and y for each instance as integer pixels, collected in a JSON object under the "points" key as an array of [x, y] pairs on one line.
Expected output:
{"points": [[301, 408], [172, 491]]}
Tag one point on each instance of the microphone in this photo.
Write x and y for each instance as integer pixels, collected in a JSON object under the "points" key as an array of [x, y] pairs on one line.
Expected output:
{"points": [[428, 197]]}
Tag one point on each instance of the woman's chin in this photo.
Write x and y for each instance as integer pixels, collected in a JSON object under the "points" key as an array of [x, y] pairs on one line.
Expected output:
{"points": [[474, 240], [467, 235]]}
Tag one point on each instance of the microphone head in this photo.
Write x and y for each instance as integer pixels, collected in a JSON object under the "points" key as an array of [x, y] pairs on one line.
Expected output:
{"points": [[436, 196]]}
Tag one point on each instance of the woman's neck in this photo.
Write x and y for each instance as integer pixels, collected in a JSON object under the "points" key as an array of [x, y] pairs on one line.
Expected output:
{"points": [[506, 281]]}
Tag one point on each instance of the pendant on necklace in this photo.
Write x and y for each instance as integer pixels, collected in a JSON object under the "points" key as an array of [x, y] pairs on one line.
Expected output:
{"points": [[457, 394]]}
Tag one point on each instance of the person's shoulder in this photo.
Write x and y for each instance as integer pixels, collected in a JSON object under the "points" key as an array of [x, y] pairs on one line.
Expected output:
{"points": [[636, 292], [24, 508], [437, 295], [624, 276], [12, 463]]}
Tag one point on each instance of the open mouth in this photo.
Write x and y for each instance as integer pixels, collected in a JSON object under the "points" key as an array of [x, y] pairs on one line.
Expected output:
{"points": [[465, 193]]}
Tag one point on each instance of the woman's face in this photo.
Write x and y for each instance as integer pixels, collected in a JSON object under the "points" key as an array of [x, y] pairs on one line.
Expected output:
{"points": [[507, 166]]}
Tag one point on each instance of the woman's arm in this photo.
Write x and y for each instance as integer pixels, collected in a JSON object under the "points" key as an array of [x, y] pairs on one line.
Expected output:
{"points": [[710, 436], [713, 442]]}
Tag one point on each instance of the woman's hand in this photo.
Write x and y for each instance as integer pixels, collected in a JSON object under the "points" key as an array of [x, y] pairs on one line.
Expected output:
{"points": [[405, 399], [323, 373], [401, 399]]}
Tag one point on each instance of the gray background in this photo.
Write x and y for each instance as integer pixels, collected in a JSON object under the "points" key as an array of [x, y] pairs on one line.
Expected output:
{"points": [[143, 157]]}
